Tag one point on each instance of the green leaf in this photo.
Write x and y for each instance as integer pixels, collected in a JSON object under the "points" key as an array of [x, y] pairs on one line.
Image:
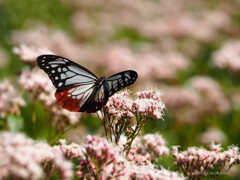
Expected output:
{"points": [[15, 123]]}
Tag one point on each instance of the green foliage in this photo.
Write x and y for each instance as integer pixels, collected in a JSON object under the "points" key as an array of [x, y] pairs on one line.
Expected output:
{"points": [[131, 35], [54, 12], [92, 123], [15, 123]]}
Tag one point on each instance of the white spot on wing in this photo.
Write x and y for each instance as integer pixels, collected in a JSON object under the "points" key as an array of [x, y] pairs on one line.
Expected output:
{"points": [[57, 62], [63, 76], [54, 65]]}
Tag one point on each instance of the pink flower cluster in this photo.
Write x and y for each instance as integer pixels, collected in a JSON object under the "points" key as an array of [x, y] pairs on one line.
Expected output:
{"points": [[211, 93], [146, 149], [10, 99], [198, 161], [156, 144], [98, 158], [119, 105], [41, 88], [147, 104], [102, 160], [122, 115], [22, 158]]}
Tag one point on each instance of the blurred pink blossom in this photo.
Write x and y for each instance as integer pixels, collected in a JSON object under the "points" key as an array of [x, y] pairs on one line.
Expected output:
{"points": [[10, 99], [198, 97], [212, 135], [45, 39], [179, 21], [30, 54], [147, 64], [22, 158], [211, 93], [156, 144], [228, 56]]}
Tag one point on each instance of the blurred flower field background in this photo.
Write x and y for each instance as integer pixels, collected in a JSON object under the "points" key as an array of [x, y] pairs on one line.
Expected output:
{"points": [[186, 51]]}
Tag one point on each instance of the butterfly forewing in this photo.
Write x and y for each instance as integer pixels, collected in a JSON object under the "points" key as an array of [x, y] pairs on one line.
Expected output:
{"points": [[64, 73], [120, 80]]}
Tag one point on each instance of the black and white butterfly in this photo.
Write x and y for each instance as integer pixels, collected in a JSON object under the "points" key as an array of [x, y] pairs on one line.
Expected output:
{"points": [[78, 89]]}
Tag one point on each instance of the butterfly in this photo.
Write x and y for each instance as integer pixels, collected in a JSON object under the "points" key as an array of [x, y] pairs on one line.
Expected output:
{"points": [[78, 89]]}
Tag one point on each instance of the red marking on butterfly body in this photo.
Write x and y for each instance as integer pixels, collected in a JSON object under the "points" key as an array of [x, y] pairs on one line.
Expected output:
{"points": [[67, 101]]}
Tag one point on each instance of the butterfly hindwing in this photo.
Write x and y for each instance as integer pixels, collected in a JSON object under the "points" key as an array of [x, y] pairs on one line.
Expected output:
{"points": [[97, 100], [65, 73], [120, 80], [74, 98]]}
